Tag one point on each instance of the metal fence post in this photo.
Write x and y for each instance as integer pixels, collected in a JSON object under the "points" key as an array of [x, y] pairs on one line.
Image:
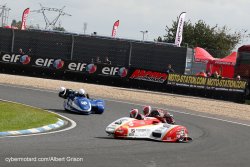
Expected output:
{"points": [[13, 41], [130, 54], [72, 47]]}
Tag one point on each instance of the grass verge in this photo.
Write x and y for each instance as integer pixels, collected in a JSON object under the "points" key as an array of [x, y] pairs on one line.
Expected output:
{"points": [[18, 117]]}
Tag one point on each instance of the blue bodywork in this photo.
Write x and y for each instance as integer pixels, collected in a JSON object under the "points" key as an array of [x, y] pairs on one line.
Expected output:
{"points": [[83, 105]]}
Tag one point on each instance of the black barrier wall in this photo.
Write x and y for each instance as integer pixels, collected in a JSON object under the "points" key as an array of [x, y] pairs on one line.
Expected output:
{"points": [[57, 68], [157, 57], [86, 48]]}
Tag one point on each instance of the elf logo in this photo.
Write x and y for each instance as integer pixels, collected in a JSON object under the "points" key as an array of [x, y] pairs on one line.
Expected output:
{"points": [[77, 66], [82, 67], [91, 68], [25, 59], [122, 72], [58, 63]]}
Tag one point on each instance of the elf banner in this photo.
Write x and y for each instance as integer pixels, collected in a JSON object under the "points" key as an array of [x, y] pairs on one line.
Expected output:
{"points": [[115, 27], [179, 30], [24, 18]]}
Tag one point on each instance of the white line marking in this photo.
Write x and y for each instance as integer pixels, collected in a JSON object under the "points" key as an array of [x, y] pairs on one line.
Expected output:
{"points": [[55, 125], [34, 130], [46, 128], [14, 132], [126, 102]]}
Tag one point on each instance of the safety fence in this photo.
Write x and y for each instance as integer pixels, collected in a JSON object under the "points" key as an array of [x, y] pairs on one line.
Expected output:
{"points": [[89, 48], [124, 76]]}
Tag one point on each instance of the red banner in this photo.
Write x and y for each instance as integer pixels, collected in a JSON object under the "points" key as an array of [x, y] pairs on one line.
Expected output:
{"points": [[115, 26], [24, 18], [150, 76]]}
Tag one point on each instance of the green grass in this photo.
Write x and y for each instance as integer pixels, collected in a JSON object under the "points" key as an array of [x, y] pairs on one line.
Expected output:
{"points": [[18, 117], [247, 101]]}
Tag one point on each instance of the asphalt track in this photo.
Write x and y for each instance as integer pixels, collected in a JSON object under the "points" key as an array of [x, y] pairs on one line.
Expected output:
{"points": [[216, 143]]}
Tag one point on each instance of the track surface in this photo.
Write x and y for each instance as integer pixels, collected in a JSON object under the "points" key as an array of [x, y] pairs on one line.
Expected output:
{"points": [[216, 143]]}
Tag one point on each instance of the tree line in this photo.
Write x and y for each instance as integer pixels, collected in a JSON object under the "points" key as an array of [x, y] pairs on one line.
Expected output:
{"points": [[218, 41]]}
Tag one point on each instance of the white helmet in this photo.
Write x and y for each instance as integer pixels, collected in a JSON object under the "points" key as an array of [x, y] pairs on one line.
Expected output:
{"points": [[81, 92], [62, 90]]}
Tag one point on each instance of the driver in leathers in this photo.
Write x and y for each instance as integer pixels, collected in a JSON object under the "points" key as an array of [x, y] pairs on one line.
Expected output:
{"points": [[163, 116], [134, 113], [69, 93]]}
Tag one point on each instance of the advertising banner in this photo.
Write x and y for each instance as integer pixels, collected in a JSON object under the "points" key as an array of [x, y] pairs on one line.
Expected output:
{"points": [[103, 70], [226, 85], [112, 71], [24, 18], [186, 81], [80, 67], [16, 59], [115, 27], [109, 73], [179, 31], [49, 63], [207, 83], [147, 75]]}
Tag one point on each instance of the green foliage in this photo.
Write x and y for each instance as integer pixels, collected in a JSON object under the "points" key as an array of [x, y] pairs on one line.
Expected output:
{"points": [[219, 41], [33, 26], [17, 24]]}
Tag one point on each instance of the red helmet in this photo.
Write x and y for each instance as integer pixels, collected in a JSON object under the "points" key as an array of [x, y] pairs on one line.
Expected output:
{"points": [[147, 110], [134, 113]]}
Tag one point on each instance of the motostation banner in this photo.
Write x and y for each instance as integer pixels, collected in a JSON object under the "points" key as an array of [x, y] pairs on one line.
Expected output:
{"points": [[207, 83], [226, 85], [186, 81]]}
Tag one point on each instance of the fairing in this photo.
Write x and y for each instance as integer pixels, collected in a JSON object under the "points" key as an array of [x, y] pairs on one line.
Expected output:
{"points": [[151, 128]]}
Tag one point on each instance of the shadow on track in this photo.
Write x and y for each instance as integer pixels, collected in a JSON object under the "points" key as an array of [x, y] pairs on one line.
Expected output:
{"points": [[64, 112], [130, 139]]}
